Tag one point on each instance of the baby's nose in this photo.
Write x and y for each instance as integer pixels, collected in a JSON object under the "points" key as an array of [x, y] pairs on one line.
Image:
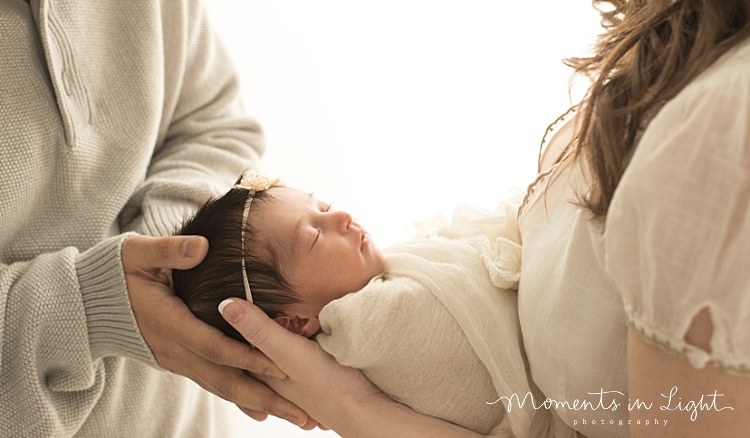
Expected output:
{"points": [[342, 219]]}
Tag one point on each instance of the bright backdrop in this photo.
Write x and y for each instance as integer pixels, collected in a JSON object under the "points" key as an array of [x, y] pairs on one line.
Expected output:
{"points": [[400, 109]]}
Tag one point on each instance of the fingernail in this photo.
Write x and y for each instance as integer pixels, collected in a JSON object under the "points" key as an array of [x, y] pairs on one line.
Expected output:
{"points": [[274, 372], [298, 421], [190, 247], [230, 310]]}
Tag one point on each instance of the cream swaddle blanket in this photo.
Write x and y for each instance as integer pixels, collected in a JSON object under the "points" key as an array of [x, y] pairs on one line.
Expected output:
{"points": [[439, 330]]}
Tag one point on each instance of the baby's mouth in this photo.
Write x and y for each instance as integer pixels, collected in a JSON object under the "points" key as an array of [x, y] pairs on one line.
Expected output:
{"points": [[363, 240]]}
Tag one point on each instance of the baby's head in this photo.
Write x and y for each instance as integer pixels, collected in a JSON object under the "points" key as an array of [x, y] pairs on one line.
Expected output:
{"points": [[298, 254]]}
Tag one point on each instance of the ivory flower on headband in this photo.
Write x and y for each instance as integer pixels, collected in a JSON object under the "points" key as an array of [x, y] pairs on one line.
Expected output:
{"points": [[253, 182]]}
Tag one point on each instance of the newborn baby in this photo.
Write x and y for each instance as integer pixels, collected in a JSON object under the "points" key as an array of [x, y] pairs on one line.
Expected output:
{"points": [[431, 321]]}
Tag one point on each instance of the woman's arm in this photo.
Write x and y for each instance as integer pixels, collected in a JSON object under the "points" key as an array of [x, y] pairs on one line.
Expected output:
{"points": [[676, 242], [337, 396], [690, 402]]}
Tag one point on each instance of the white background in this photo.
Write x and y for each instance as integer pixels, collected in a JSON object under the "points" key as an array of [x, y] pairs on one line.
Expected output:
{"points": [[398, 110]]}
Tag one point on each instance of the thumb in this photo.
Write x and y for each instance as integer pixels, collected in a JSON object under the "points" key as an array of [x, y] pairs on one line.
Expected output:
{"points": [[173, 252]]}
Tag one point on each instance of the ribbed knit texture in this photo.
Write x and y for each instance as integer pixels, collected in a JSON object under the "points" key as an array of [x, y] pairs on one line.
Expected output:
{"points": [[112, 329], [114, 117]]}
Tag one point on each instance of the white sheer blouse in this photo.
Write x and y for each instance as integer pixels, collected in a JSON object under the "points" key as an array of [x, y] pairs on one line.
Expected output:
{"points": [[677, 241], [678, 230], [572, 319]]}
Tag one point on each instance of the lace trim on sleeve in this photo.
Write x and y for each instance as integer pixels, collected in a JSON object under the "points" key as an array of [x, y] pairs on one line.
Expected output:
{"points": [[697, 357]]}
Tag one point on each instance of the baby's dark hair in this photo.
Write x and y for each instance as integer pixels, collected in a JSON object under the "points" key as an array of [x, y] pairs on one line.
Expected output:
{"points": [[219, 275]]}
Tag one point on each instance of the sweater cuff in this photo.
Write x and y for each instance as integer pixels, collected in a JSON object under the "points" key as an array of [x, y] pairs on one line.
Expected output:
{"points": [[112, 328]]}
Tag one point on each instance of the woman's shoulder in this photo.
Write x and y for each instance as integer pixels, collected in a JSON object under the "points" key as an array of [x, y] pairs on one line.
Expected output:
{"points": [[706, 118], [725, 82], [735, 62]]}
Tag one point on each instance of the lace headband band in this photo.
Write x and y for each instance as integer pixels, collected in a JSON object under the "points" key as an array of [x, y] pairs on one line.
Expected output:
{"points": [[253, 182]]}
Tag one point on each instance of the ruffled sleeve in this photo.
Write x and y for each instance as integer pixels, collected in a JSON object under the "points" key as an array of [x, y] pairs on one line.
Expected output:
{"points": [[677, 236]]}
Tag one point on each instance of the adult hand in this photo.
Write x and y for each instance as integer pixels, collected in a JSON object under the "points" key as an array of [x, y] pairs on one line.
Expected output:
{"points": [[329, 391], [340, 397], [185, 345]]}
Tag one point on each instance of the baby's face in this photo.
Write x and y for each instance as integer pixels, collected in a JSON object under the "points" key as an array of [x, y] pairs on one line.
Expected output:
{"points": [[326, 254]]}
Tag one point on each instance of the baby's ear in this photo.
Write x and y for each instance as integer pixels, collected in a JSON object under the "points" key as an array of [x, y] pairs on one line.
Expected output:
{"points": [[306, 327]]}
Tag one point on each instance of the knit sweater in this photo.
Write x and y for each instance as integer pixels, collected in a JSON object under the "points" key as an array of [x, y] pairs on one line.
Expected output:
{"points": [[115, 117]]}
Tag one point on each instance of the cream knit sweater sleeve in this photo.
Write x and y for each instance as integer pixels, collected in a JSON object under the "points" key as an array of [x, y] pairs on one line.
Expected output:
{"points": [[114, 116], [203, 134]]}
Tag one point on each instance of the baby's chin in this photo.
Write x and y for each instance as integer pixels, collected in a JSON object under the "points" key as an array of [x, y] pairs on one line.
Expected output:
{"points": [[378, 265]]}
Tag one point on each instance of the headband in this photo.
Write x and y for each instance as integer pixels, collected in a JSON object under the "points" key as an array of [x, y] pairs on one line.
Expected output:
{"points": [[253, 182]]}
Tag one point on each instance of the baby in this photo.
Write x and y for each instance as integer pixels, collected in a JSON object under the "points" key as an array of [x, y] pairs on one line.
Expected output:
{"points": [[431, 321]]}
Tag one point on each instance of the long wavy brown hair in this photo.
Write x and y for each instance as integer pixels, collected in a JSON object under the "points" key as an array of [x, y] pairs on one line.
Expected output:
{"points": [[649, 51]]}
